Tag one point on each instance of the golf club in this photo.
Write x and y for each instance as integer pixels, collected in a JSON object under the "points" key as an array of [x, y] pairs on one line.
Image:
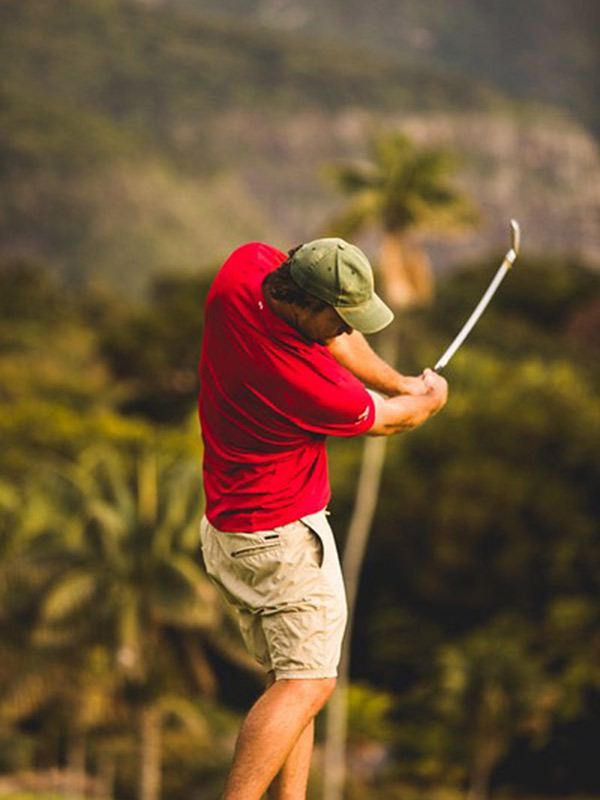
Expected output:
{"points": [[509, 260]]}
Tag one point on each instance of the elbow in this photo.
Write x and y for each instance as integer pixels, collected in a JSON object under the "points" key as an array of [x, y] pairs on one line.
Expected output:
{"points": [[403, 425], [391, 429]]}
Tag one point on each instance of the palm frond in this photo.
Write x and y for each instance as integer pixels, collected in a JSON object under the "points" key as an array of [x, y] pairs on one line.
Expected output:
{"points": [[404, 187], [350, 178], [26, 693], [68, 596]]}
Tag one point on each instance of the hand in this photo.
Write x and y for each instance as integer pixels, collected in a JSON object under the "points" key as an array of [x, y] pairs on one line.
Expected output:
{"points": [[437, 387], [413, 386]]}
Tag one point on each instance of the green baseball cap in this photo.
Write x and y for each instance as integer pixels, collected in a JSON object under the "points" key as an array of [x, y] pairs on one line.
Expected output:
{"points": [[340, 274]]}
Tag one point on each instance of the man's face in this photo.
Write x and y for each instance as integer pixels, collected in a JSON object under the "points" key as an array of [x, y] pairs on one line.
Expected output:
{"points": [[323, 326]]}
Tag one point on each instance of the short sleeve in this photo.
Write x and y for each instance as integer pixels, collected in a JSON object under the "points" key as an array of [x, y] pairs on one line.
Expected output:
{"points": [[328, 401]]}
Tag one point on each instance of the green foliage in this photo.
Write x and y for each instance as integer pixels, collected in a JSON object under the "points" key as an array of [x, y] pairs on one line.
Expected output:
{"points": [[368, 714], [490, 686], [544, 293], [155, 350], [488, 526], [477, 620], [121, 615], [486, 534], [116, 57], [28, 292], [130, 535], [60, 138], [402, 187], [32, 796]]}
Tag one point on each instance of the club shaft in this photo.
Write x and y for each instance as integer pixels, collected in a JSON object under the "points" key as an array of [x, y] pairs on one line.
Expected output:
{"points": [[480, 308], [509, 260]]}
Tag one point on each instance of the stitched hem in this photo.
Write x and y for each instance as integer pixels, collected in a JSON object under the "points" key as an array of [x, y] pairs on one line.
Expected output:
{"points": [[313, 674]]}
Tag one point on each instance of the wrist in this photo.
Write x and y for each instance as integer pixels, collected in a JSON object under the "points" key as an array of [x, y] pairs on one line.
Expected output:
{"points": [[413, 386], [402, 385]]}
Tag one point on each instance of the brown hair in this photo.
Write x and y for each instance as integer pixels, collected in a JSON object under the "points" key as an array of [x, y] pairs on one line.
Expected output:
{"points": [[284, 288]]}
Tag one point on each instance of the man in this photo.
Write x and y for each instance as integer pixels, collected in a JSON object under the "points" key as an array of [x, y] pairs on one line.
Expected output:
{"points": [[285, 364]]}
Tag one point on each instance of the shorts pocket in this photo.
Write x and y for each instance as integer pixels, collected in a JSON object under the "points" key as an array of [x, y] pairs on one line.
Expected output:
{"points": [[253, 570], [255, 549], [321, 532], [318, 546]]}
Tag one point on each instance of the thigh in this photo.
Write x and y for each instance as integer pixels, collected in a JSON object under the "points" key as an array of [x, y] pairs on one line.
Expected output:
{"points": [[288, 589], [306, 635]]}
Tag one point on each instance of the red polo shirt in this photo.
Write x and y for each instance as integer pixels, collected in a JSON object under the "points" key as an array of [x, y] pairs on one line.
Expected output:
{"points": [[268, 399]]}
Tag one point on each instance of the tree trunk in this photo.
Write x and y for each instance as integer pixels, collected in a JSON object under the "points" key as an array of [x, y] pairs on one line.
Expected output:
{"points": [[487, 755], [479, 781], [107, 774], [150, 753], [204, 676], [75, 772], [406, 272], [373, 458], [407, 281]]}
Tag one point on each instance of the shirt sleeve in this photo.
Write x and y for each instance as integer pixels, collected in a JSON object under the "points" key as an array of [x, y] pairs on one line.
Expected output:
{"points": [[328, 401]]}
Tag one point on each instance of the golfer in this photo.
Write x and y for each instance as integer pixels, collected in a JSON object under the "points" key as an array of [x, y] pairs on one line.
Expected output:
{"points": [[284, 365]]}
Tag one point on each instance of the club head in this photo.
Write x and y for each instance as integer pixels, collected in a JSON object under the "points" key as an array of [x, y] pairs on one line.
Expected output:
{"points": [[515, 235], [515, 243]]}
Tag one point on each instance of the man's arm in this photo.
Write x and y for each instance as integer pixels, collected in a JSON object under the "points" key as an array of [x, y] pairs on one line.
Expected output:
{"points": [[354, 353], [404, 412]]}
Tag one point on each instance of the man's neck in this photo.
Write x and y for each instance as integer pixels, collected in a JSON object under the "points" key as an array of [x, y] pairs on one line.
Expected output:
{"points": [[285, 311]]}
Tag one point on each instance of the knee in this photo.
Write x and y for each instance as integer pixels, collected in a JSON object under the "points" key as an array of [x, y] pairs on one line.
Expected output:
{"points": [[328, 688], [314, 692], [323, 692]]}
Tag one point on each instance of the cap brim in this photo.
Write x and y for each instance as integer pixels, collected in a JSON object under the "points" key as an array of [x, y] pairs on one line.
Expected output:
{"points": [[369, 317]]}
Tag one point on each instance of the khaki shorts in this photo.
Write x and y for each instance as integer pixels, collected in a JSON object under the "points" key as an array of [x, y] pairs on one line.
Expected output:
{"points": [[287, 587]]}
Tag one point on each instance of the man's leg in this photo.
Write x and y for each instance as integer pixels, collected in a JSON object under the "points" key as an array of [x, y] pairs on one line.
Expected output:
{"points": [[290, 782], [279, 720]]}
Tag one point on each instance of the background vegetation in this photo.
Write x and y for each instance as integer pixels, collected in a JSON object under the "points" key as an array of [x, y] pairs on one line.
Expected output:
{"points": [[139, 143], [477, 619]]}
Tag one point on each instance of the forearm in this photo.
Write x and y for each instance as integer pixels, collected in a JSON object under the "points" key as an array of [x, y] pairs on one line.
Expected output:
{"points": [[402, 413], [354, 353]]}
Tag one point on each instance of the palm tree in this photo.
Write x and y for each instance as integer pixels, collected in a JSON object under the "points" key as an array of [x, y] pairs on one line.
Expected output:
{"points": [[403, 189], [492, 688], [62, 676], [121, 550]]}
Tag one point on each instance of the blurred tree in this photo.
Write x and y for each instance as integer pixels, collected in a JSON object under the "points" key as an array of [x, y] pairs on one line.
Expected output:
{"points": [[548, 307], [401, 189], [499, 501], [493, 511], [120, 552], [583, 330], [571, 635], [154, 351], [491, 687], [28, 291]]}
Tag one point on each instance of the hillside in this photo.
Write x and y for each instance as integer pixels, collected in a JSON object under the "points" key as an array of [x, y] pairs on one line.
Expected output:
{"points": [[543, 50], [135, 139]]}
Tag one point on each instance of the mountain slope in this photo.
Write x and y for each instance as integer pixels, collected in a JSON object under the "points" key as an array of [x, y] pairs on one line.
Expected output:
{"points": [[543, 50], [137, 138], [111, 142]]}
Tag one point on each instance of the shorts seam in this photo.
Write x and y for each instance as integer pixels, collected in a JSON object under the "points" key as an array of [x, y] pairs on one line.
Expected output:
{"points": [[297, 674]]}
